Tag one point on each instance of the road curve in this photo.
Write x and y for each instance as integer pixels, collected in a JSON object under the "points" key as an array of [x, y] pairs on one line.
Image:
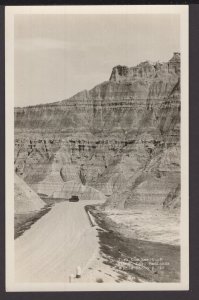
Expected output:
{"points": [[56, 244]]}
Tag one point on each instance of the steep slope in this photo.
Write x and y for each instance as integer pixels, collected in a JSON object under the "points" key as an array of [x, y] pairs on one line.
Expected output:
{"points": [[149, 184], [111, 106], [26, 200], [119, 138]]}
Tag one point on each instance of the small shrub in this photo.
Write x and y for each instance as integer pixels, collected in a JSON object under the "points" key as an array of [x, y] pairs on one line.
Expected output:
{"points": [[99, 280]]}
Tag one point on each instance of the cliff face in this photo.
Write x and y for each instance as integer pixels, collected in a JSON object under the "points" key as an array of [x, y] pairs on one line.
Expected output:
{"points": [[117, 138]]}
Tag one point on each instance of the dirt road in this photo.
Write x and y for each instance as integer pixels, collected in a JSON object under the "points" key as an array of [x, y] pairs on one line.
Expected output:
{"points": [[56, 244]]}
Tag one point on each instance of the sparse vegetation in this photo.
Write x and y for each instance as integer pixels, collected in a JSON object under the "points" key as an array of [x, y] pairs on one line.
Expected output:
{"points": [[99, 280], [141, 260], [24, 221]]}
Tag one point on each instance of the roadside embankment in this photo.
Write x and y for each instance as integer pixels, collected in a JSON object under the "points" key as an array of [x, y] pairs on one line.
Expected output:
{"points": [[137, 260], [24, 221]]}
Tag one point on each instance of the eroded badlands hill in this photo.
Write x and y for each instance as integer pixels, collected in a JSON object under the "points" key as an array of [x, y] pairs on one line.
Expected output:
{"points": [[121, 138], [26, 200]]}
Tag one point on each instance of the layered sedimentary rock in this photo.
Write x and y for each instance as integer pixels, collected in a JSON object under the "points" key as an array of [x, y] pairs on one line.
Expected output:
{"points": [[150, 183], [122, 138], [26, 200]]}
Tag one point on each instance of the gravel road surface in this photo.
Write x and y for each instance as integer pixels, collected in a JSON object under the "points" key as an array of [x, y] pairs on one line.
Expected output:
{"points": [[56, 244]]}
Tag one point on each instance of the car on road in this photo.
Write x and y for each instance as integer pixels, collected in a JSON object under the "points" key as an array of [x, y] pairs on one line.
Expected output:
{"points": [[74, 199]]}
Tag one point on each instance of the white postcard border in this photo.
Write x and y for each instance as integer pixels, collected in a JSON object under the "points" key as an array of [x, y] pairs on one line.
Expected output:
{"points": [[10, 12]]}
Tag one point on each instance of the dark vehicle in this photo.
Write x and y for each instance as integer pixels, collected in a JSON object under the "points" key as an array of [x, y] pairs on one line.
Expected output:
{"points": [[74, 199]]}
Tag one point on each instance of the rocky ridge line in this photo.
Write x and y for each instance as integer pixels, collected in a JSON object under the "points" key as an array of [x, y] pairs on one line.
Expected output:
{"points": [[108, 137]]}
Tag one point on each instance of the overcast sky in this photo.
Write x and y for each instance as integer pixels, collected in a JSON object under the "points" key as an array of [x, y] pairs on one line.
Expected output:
{"points": [[57, 56]]}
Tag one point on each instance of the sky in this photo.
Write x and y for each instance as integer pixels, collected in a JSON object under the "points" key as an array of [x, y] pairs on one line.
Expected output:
{"points": [[57, 56]]}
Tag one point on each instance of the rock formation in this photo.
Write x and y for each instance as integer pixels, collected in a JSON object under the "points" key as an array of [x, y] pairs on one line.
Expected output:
{"points": [[121, 138], [26, 200]]}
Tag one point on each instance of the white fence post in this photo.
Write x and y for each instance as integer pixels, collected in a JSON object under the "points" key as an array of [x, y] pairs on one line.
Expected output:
{"points": [[78, 272]]}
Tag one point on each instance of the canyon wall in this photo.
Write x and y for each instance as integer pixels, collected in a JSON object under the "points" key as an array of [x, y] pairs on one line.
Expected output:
{"points": [[121, 139]]}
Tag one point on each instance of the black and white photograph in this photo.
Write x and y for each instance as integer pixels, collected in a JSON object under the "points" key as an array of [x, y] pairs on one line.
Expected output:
{"points": [[97, 148]]}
